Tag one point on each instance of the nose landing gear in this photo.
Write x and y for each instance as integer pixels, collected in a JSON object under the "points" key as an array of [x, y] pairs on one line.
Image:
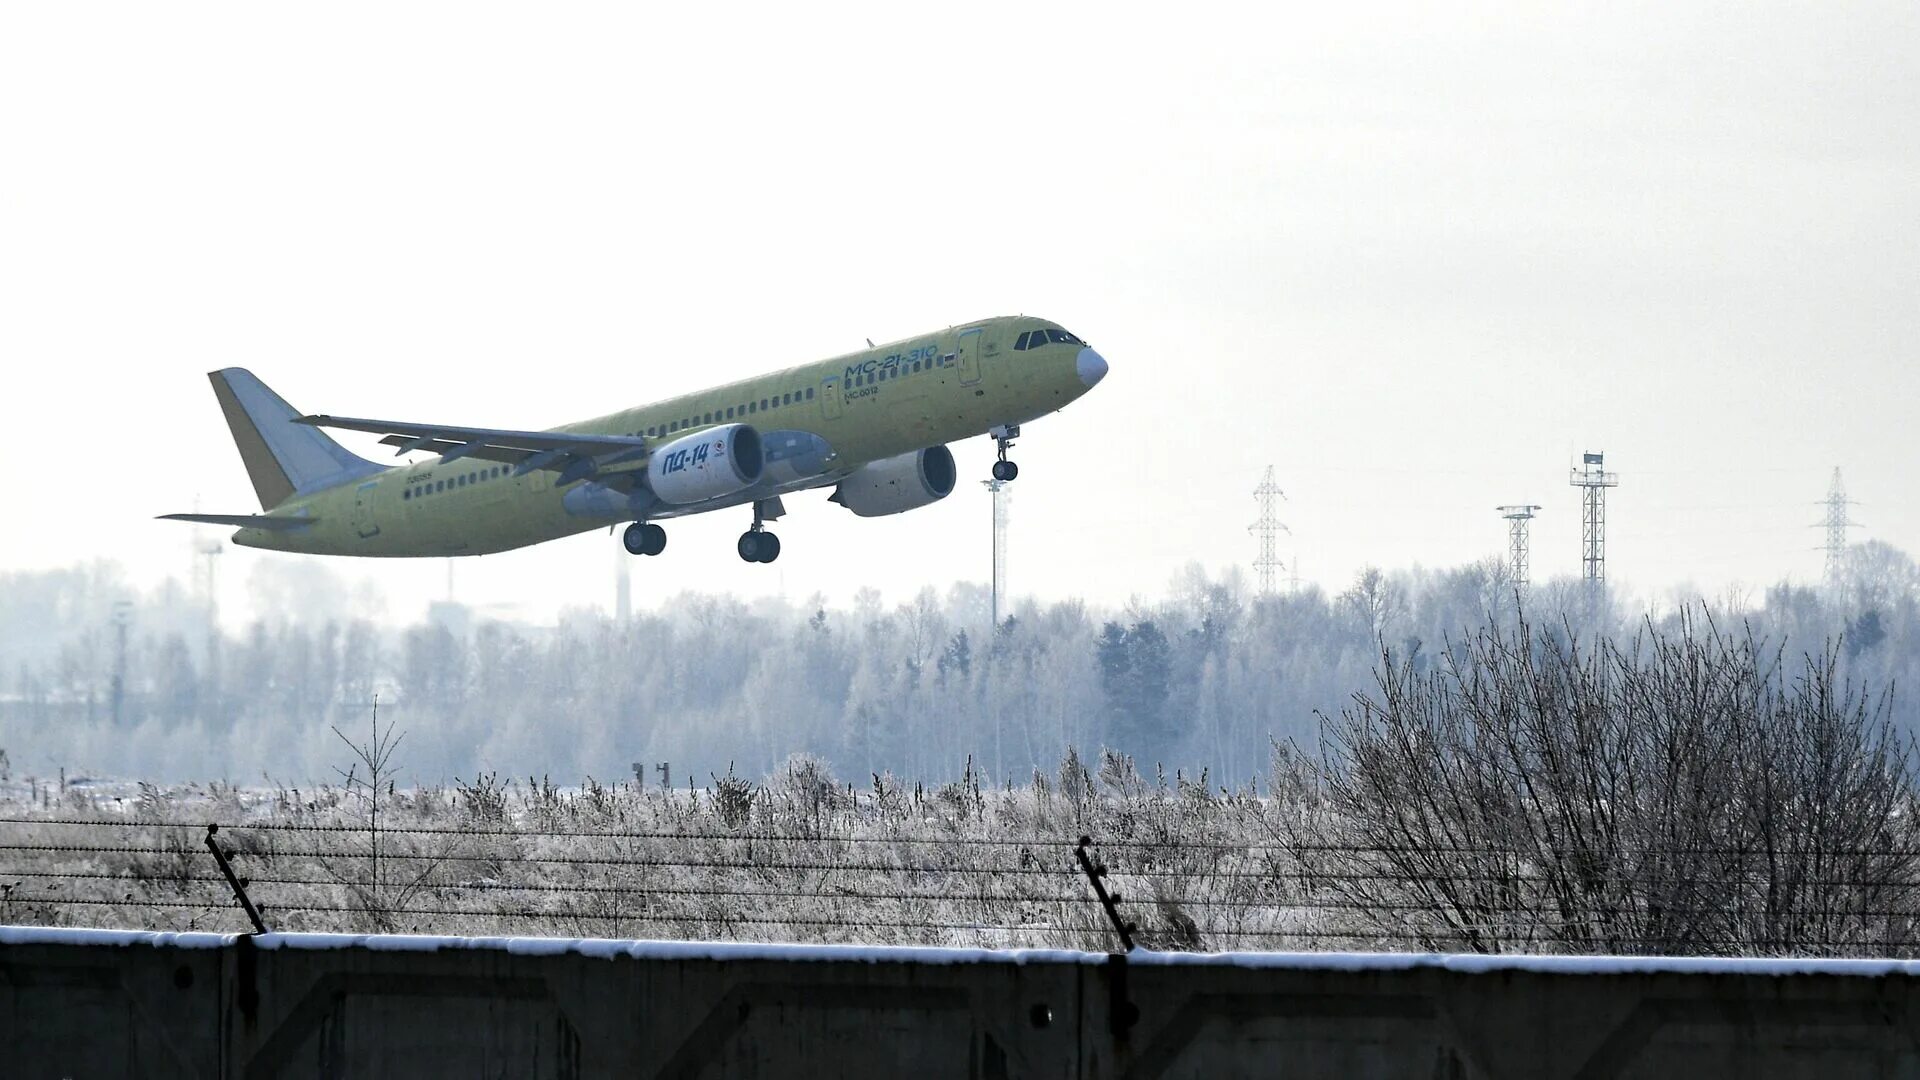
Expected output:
{"points": [[644, 538], [1003, 436]]}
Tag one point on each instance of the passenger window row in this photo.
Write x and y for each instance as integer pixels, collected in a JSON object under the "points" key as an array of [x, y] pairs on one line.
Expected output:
{"points": [[721, 416], [1033, 339], [883, 374], [494, 472]]}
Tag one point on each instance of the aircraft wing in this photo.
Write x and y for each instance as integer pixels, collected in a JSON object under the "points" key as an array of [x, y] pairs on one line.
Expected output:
{"points": [[573, 455]]}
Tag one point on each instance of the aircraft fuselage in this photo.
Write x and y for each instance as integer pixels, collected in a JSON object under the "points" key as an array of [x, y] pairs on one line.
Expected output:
{"points": [[818, 423]]}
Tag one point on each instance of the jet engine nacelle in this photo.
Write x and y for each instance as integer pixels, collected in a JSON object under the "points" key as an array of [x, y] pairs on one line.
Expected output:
{"points": [[705, 465], [897, 484]]}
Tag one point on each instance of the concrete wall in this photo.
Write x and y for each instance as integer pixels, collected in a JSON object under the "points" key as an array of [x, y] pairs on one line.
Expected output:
{"points": [[109, 1003]]}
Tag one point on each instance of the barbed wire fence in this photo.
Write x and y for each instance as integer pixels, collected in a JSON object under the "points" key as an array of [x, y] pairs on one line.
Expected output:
{"points": [[827, 886], [745, 885]]}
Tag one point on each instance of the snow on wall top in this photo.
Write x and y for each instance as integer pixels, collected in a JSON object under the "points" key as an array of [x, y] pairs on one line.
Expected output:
{"points": [[900, 954]]}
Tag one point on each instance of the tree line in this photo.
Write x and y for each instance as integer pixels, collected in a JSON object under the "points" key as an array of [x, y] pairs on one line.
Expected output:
{"points": [[1209, 676]]}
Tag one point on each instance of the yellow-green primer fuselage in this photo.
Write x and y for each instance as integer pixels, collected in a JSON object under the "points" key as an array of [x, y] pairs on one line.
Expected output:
{"points": [[863, 407]]}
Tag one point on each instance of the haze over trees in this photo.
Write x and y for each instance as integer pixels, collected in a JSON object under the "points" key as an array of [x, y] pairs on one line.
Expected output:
{"points": [[1413, 762], [1206, 677], [1685, 791]]}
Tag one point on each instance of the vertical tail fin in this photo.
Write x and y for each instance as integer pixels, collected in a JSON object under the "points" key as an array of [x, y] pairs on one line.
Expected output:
{"points": [[283, 458]]}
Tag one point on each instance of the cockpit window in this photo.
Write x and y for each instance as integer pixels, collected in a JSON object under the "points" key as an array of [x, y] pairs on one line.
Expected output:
{"points": [[1033, 339]]}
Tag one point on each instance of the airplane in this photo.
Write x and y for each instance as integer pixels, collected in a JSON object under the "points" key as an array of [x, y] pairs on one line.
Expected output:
{"points": [[873, 425]]}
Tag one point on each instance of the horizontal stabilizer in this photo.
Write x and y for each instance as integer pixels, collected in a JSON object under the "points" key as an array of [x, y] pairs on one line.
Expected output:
{"points": [[244, 521]]}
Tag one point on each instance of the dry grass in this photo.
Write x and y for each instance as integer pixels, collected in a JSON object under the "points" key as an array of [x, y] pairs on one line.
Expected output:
{"points": [[799, 856]]}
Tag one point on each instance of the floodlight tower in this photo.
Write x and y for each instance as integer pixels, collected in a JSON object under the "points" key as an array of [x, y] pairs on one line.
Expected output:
{"points": [[1519, 551], [206, 584], [1837, 524], [122, 620], [206, 553], [1593, 479], [205, 581], [1002, 495], [622, 588], [1267, 529]]}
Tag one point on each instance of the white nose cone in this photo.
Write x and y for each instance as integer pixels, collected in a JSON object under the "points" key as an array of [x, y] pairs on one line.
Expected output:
{"points": [[1091, 366]]}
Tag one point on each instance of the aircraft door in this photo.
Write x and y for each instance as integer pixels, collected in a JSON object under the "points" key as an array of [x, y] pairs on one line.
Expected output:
{"points": [[363, 520], [968, 349], [830, 397]]}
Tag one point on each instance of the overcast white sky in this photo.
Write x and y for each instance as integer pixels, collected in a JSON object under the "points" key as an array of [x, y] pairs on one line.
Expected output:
{"points": [[1417, 258]]}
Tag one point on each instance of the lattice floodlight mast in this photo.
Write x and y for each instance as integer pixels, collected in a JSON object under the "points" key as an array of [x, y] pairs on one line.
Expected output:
{"points": [[1002, 493], [1267, 529], [1593, 479], [1837, 524], [1519, 551], [622, 588], [122, 620], [206, 552], [206, 594]]}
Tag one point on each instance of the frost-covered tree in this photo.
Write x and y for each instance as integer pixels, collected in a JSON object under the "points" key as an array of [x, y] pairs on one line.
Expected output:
{"points": [[1198, 678]]}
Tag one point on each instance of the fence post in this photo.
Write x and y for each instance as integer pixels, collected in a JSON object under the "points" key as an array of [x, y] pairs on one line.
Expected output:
{"points": [[239, 885], [1122, 1013], [1096, 875]]}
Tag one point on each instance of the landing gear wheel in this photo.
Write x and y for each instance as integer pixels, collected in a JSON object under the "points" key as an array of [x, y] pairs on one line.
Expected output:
{"points": [[1003, 436], [644, 538], [761, 547], [757, 544]]}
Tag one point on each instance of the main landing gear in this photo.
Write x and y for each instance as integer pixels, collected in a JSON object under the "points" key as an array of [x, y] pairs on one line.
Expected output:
{"points": [[644, 538], [1003, 436], [757, 544]]}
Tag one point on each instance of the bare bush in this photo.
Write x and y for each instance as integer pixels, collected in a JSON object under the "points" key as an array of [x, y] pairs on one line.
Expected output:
{"points": [[1676, 793]]}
